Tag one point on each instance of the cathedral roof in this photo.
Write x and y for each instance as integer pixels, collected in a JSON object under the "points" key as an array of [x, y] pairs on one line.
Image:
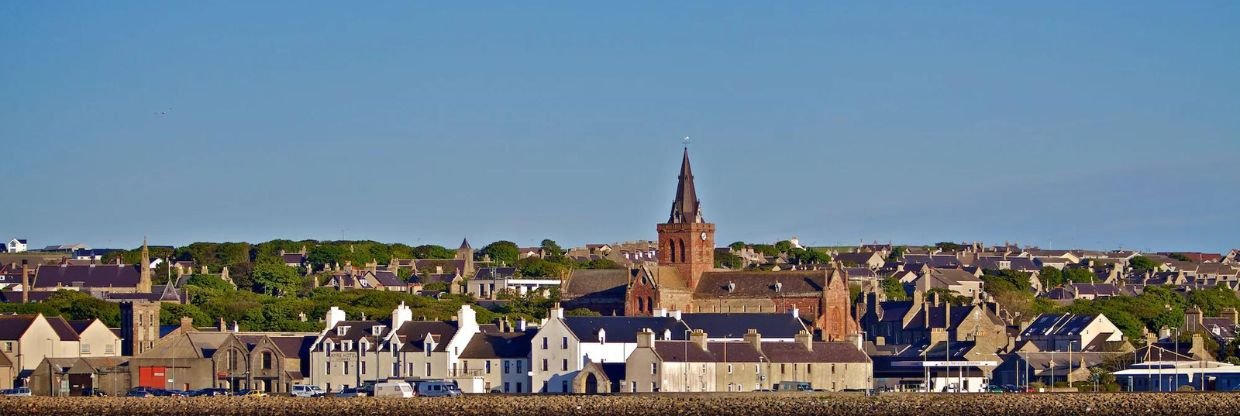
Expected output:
{"points": [[685, 207], [743, 284]]}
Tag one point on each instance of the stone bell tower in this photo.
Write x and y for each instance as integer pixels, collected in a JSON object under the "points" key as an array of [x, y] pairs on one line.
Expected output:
{"points": [[686, 240]]}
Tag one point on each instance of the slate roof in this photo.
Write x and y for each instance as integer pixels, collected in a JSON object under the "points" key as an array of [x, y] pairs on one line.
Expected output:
{"points": [[447, 265], [63, 329], [683, 351], [413, 334], [493, 272], [760, 284], [936, 260], [387, 278], [293, 258], [735, 325], [357, 331], [583, 282], [1057, 325], [822, 352], [13, 327], [622, 329], [859, 259], [499, 345], [99, 275], [294, 347]]}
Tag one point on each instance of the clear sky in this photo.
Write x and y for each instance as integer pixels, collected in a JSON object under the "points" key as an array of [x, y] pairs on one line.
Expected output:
{"points": [[1096, 124]]}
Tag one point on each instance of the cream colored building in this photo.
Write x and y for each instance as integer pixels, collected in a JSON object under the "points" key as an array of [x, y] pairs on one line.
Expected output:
{"points": [[698, 365], [28, 339]]}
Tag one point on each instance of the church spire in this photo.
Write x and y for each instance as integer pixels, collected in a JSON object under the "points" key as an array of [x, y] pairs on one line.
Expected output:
{"points": [[685, 208], [144, 269]]}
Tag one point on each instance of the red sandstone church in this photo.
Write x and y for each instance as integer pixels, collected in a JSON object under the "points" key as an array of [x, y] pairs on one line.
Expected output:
{"points": [[685, 278]]}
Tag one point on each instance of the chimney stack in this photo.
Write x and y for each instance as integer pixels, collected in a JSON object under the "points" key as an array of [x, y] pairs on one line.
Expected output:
{"points": [[698, 338], [754, 339], [521, 324], [25, 282], [187, 324], [805, 339], [645, 338]]}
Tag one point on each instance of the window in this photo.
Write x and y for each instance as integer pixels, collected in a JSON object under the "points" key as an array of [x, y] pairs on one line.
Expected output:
{"points": [[428, 369], [506, 386], [544, 343], [809, 369], [729, 372], [428, 349], [565, 365], [544, 367], [85, 348], [654, 386], [782, 369], [396, 369], [654, 368], [564, 386], [518, 368], [363, 367], [327, 368], [507, 364], [109, 349], [564, 343], [518, 387], [266, 360], [363, 346], [346, 368], [488, 366]]}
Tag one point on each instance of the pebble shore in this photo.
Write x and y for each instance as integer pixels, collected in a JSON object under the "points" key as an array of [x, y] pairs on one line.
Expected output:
{"points": [[683, 404]]}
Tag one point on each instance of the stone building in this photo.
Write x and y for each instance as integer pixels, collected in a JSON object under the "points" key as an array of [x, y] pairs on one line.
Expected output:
{"points": [[685, 277], [700, 365]]}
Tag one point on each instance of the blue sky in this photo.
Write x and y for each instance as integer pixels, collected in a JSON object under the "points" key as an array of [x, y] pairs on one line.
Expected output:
{"points": [[1058, 124]]}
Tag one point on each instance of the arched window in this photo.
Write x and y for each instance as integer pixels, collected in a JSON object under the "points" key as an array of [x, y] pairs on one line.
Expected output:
{"points": [[650, 304], [671, 249], [682, 251], [641, 305], [267, 360]]}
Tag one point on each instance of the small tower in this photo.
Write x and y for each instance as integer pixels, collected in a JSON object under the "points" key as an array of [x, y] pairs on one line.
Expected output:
{"points": [[466, 253], [139, 326], [686, 240], [144, 270]]}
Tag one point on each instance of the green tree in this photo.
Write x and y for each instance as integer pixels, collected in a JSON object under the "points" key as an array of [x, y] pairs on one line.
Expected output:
{"points": [[949, 246], [739, 245], [581, 312], [897, 252], [783, 246], [729, 261], [551, 250], [1075, 275], [893, 289], [534, 266], [431, 251], [275, 278], [1142, 264], [504, 252], [1051, 277]]}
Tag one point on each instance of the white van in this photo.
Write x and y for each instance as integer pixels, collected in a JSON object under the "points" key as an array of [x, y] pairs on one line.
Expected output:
{"points": [[301, 390], [438, 388], [393, 389]]}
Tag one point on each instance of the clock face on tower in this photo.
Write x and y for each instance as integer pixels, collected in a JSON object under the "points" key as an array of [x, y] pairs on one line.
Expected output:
{"points": [[703, 235]]}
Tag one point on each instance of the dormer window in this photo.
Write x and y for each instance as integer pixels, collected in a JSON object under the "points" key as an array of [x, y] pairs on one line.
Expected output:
{"points": [[778, 286], [602, 336], [348, 345], [428, 347], [731, 287], [363, 346], [341, 330], [329, 346], [377, 330]]}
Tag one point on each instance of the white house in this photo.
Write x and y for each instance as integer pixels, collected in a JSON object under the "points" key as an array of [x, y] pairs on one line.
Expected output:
{"points": [[17, 245], [564, 346]]}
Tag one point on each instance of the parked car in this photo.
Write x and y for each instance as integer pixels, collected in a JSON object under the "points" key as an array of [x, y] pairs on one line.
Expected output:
{"points": [[16, 392], [90, 392], [213, 392], [251, 393], [301, 390], [351, 392], [793, 386], [393, 388], [140, 392], [438, 389]]}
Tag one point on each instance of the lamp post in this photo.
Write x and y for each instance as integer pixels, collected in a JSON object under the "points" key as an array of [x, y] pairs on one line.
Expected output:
{"points": [[1176, 376]]}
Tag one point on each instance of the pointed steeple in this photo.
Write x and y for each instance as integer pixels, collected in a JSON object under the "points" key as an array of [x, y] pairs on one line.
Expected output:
{"points": [[685, 208], [465, 244], [144, 269]]}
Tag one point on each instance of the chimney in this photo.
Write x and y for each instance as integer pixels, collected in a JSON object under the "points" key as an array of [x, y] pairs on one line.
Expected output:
{"points": [[754, 339], [236, 328], [557, 311], [697, 337], [645, 338], [947, 315], [796, 313], [187, 324], [1231, 315], [26, 282], [400, 315], [938, 335], [675, 314], [334, 316], [805, 339], [223, 327], [660, 313]]}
